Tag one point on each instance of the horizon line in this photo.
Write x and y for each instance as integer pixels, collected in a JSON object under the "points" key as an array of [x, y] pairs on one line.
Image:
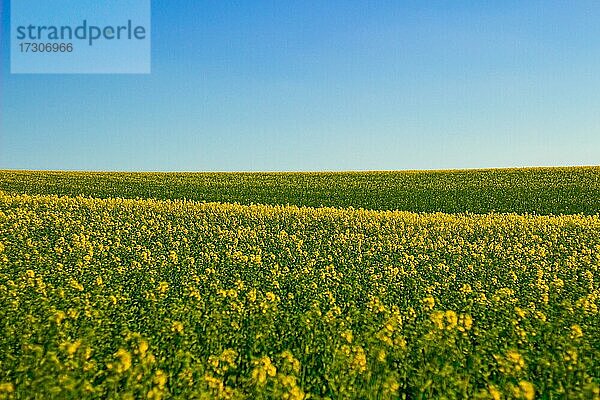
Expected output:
{"points": [[100, 171]]}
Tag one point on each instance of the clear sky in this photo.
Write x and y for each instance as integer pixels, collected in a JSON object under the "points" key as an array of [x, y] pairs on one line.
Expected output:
{"points": [[324, 85]]}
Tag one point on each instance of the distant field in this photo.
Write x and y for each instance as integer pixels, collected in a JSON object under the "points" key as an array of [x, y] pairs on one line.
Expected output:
{"points": [[533, 190], [107, 297]]}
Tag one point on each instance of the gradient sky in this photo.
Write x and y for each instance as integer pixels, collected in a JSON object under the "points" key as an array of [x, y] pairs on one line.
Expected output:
{"points": [[314, 85]]}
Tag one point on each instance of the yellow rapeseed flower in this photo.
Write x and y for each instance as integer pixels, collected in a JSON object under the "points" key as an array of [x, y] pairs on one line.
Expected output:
{"points": [[347, 336], [451, 318], [428, 303], [160, 378], [6, 387], [467, 321], [124, 360], [163, 287], [437, 317], [263, 368], [177, 327], [270, 296], [71, 348], [143, 347], [494, 392], [527, 390]]}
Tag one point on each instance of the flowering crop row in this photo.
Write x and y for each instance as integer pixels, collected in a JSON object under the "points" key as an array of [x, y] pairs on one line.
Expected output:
{"points": [[524, 190]]}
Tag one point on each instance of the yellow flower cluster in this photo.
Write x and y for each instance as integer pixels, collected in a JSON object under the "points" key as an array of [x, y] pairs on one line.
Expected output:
{"points": [[450, 320], [511, 363], [263, 368]]}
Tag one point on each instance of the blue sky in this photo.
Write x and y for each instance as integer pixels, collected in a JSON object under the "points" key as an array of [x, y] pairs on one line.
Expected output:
{"points": [[336, 85]]}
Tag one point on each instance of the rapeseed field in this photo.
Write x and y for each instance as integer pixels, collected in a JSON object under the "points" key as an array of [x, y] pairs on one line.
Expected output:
{"points": [[129, 294]]}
